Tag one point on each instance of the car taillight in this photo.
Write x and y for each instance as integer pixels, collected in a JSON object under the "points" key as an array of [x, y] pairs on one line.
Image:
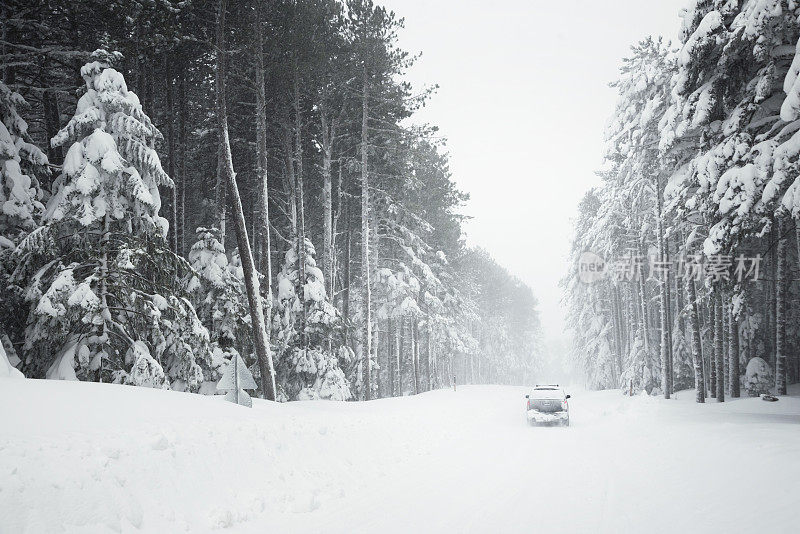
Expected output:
{"points": [[529, 404], [564, 404]]}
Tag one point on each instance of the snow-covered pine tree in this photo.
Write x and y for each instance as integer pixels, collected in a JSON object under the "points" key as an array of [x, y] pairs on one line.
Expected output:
{"points": [[218, 294], [397, 291], [107, 295], [310, 368], [728, 102], [21, 164]]}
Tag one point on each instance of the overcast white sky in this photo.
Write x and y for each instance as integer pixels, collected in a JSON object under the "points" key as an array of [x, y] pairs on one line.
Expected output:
{"points": [[524, 100]]}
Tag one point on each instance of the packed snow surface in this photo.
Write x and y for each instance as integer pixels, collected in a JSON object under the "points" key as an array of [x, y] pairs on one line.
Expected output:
{"points": [[85, 457]]}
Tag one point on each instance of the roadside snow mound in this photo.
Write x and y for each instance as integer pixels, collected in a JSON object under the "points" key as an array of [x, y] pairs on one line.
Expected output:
{"points": [[6, 369]]}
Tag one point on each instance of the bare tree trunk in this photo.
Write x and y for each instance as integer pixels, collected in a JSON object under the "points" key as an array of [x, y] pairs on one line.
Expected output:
{"points": [[262, 168], [725, 336], [663, 318], [643, 319], [664, 315], [781, 290], [52, 116], [180, 182], [220, 193], [290, 182], [301, 225], [334, 266], [771, 300], [104, 311], [367, 296], [173, 242], [414, 355], [328, 131], [374, 250], [390, 342], [712, 329], [733, 358], [347, 279], [250, 278], [401, 341], [431, 358], [719, 353], [697, 347]]}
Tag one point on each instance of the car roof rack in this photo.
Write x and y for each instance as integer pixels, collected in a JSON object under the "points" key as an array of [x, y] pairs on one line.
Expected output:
{"points": [[546, 385]]}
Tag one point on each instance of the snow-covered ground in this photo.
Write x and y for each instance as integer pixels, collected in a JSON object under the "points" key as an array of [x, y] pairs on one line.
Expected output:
{"points": [[80, 457]]}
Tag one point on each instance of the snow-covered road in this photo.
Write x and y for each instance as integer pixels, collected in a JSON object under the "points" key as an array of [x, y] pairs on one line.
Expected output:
{"points": [[80, 457]]}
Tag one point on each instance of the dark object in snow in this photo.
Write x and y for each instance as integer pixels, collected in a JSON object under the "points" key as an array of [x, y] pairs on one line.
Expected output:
{"points": [[769, 398]]}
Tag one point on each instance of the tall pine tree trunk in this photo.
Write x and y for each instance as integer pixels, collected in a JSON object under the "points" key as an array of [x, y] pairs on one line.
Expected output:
{"points": [[697, 347], [180, 183], [328, 131], [262, 167], [770, 302], [173, 242], [781, 290], [221, 193], [301, 225], [52, 118], [251, 280], [643, 325], [390, 342], [374, 250], [664, 314], [348, 255], [712, 332], [719, 353], [431, 357], [664, 345], [733, 358], [365, 282], [414, 355], [401, 340]]}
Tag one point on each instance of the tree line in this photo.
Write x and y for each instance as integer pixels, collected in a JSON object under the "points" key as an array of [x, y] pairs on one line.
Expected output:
{"points": [[695, 217], [185, 182]]}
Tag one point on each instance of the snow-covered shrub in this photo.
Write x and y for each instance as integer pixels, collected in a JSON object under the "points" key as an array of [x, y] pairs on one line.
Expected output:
{"points": [[145, 371], [104, 288], [758, 377], [308, 331]]}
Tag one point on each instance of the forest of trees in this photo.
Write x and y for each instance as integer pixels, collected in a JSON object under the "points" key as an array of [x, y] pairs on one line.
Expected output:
{"points": [[700, 193], [185, 182]]}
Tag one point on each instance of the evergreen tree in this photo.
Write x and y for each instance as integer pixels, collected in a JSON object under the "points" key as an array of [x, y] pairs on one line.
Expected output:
{"points": [[21, 162], [106, 299], [308, 365], [218, 295]]}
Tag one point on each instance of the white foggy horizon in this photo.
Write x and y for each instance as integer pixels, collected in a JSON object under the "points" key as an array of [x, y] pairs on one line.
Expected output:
{"points": [[523, 101]]}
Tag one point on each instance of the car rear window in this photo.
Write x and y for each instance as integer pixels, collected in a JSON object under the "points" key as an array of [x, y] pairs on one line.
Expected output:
{"points": [[546, 393]]}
